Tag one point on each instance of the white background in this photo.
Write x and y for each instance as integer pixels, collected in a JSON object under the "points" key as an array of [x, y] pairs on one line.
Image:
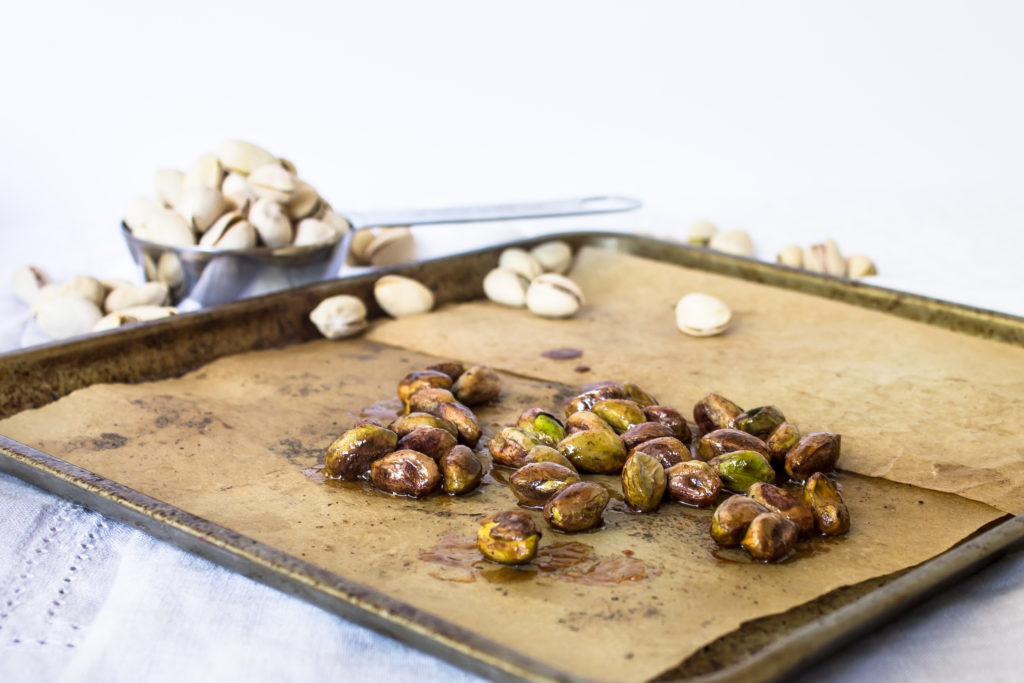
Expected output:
{"points": [[894, 127]]}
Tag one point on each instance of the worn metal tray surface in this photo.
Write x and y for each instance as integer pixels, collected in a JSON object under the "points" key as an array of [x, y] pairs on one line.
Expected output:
{"points": [[762, 648]]}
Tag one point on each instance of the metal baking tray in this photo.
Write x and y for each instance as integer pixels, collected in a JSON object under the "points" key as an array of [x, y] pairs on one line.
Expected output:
{"points": [[38, 376]]}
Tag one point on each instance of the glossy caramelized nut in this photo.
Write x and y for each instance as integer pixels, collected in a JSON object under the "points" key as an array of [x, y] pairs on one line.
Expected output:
{"points": [[831, 515], [671, 418], [461, 470], [478, 385], [407, 423], [577, 507], [543, 425], [715, 412], [452, 368], [645, 431], [583, 420], [742, 469], [814, 452], [730, 521], [587, 399], [419, 379], [600, 451], [638, 395], [668, 449], [464, 420], [770, 537], [509, 537], [534, 484], [427, 399], [722, 441], [620, 413], [693, 482], [352, 453], [510, 446], [785, 503], [781, 440], [760, 421], [406, 473], [432, 441], [643, 482], [543, 453]]}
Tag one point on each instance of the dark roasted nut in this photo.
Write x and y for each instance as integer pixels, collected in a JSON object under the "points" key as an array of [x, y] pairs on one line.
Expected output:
{"points": [[668, 449], [352, 453], [510, 446], [600, 451], [671, 418], [693, 482], [643, 482], [587, 399], [535, 483], [452, 368], [714, 412], [477, 385], [583, 420], [406, 473], [638, 395], [731, 519], [508, 537], [645, 431], [407, 423], [785, 503], [542, 424], [419, 379], [432, 441], [722, 441], [739, 470], [814, 452], [760, 421], [427, 399], [577, 507], [461, 470], [544, 453], [770, 537], [781, 440], [464, 420], [620, 413], [831, 515]]}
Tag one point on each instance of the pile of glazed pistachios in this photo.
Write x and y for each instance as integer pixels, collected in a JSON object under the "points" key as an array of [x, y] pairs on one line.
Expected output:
{"points": [[620, 429]]}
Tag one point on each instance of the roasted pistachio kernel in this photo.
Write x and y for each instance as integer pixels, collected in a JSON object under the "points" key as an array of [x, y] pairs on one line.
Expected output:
{"points": [[461, 470], [510, 446], [452, 368], [407, 423], [534, 484], [714, 412], [544, 453], [509, 537], [620, 413], [432, 441], [583, 420], [577, 507], [464, 420], [589, 398], [671, 418], [543, 425], [781, 440], [770, 537], [760, 421], [645, 431], [814, 452], [638, 395], [478, 385], [643, 482], [427, 399], [730, 521], [668, 449], [693, 482], [406, 473], [600, 451], [352, 453], [419, 379], [785, 503], [722, 441], [740, 470], [831, 516]]}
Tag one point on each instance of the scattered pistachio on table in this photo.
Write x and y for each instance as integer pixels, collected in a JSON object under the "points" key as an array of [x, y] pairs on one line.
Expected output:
{"points": [[535, 279], [339, 316], [400, 296], [826, 258], [702, 315]]}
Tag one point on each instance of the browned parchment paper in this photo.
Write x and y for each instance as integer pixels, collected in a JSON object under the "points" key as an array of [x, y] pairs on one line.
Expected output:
{"points": [[230, 442], [914, 403]]}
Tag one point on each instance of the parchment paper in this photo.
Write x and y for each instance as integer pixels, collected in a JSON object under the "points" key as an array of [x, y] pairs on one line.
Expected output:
{"points": [[914, 403], [234, 442]]}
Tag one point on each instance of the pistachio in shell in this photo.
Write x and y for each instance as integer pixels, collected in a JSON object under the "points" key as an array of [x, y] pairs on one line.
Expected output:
{"points": [[668, 449], [643, 482], [760, 421], [534, 484], [577, 507], [715, 411], [508, 537], [544, 453], [740, 470], [721, 441], [589, 398], [583, 420], [352, 453], [415, 381], [638, 395], [600, 451], [461, 470], [645, 431], [730, 521], [452, 368], [510, 446], [693, 482], [814, 452], [781, 440], [478, 385], [427, 399], [543, 425], [671, 418], [620, 413], [785, 503], [464, 420], [831, 516], [406, 473], [407, 423], [432, 441], [770, 537]]}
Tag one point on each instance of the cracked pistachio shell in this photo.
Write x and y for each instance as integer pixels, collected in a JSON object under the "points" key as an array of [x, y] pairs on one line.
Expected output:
{"points": [[542, 453], [167, 227], [407, 423], [406, 473], [760, 421], [138, 213], [638, 395], [543, 425], [620, 413], [236, 191], [702, 315], [510, 446], [216, 231], [770, 537], [352, 453], [506, 287], [146, 294], [313, 231], [333, 218], [785, 503], [742, 469], [520, 261], [463, 419], [243, 157], [452, 368], [534, 484], [477, 385], [241, 235], [337, 317], [858, 266], [671, 418], [303, 202], [643, 482], [693, 482], [427, 399], [586, 400], [271, 223], [735, 242], [583, 420], [722, 441], [600, 451], [730, 521], [831, 516], [714, 412], [85, 287], [791, 255], [508, 537], [814, 452], [645, 431], [781, 440], [461, 470], [554, 256], [400, 296], [384, 246], [432, 441], [67, 316], [668, 449], [135, 314], [169, 185], [272, 182], [701, 232], [206, 171], [419, 379], [577, 507], [553, 296], [26, 283]]}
